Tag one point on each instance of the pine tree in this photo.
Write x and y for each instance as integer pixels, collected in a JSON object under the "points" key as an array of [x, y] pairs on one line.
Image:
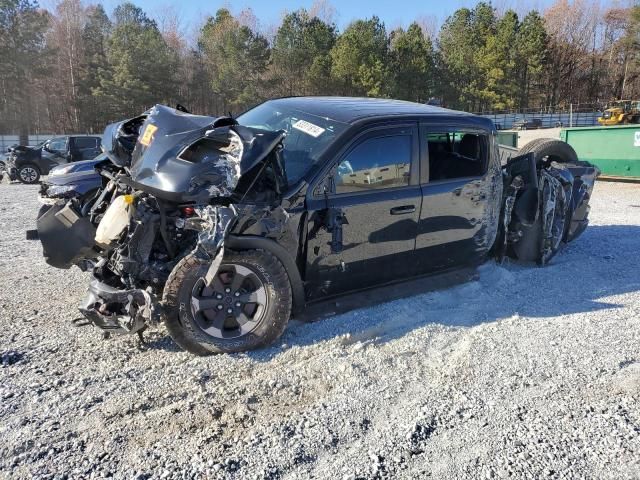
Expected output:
{"points": [[301, 54], [412, 64], [140, 69], [236, 59], [95, 36], [531, 53], [22, 29], [360, 59]]}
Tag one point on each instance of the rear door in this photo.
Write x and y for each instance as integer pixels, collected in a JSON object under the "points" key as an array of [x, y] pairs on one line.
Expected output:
{"points": [[459, 211], [84, 148], [363, 213]]}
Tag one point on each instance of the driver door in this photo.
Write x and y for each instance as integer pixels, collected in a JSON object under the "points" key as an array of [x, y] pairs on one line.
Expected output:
{"points": [[364, 212], [54, 152]]}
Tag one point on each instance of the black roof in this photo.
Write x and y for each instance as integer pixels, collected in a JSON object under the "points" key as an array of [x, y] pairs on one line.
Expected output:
{"points": [[353, 109]]}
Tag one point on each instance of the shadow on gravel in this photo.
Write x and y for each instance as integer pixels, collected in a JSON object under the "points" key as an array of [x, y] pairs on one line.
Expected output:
{"points": [[160, 342], [603, 262]]}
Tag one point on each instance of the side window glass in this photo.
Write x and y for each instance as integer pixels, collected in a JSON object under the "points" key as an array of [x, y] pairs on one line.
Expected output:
{"points": [[58, 144], [85, 142], [375, 163], [456, 155]]}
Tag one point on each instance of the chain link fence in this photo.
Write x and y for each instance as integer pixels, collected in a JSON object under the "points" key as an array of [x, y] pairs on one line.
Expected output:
{"points": [[575, 115]]}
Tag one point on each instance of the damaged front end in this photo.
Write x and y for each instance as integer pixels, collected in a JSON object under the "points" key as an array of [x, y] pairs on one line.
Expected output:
{"points": [[174, 188], [120, 311]]}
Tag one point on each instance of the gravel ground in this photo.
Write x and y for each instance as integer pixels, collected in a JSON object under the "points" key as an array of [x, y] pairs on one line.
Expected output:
{"points": [[524, 373]]}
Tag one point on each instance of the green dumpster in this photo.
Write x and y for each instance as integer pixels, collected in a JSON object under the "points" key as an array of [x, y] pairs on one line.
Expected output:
{"points": [[614, 150], [510, 139]]}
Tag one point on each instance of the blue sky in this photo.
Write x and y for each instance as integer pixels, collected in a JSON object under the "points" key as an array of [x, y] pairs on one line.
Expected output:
{"points": [[393, 13]]}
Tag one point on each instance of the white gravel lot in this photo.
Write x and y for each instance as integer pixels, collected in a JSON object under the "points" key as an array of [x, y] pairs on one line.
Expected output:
{"points": [[525, 373]]}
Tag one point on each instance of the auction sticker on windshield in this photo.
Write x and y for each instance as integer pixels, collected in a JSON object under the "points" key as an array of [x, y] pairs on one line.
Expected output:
{"points": [[308, 128]]}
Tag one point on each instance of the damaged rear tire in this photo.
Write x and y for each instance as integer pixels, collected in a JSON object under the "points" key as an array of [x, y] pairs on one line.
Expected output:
{"points": [[247, 305]]}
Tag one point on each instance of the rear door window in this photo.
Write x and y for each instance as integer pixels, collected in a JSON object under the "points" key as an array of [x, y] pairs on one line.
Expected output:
{"points": [[455, 155], [85, 142]]}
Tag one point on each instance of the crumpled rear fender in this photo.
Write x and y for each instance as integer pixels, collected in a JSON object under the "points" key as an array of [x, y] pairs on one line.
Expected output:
{"points": [[521, 226]]}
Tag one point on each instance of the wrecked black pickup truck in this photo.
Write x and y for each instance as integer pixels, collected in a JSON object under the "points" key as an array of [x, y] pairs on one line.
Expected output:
{"points": [[223, 228], [27, 164]]}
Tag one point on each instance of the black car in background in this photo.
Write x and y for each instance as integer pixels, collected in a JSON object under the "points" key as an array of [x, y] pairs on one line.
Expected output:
{"points": [[27, 164], [524, 124]]}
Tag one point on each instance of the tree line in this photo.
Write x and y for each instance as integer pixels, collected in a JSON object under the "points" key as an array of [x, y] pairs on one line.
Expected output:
{"points": [[76, 68]]}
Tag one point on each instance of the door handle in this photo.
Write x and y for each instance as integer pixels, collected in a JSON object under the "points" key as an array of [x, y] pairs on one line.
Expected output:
{"points": [[402, 210]]}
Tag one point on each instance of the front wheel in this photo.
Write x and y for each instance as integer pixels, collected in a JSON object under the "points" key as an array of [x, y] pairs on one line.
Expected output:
{"points": [[246, 306], [28, 174]]}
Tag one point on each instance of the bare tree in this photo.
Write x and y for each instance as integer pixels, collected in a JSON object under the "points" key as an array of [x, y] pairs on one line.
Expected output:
{"points": [[64, 40], [325, 11], [571, 27], [429, 25]]}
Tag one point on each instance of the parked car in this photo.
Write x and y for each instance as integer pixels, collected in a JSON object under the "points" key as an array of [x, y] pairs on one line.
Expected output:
{"points": [[3, 164], [28, 164], [524, 124], [78, 180], [222, 227]]}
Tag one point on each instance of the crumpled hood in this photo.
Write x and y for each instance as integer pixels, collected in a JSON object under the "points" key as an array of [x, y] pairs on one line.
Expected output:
{"points": [[22, 148], [78, 167], [184, 157], [24, 152], [82, 175]]}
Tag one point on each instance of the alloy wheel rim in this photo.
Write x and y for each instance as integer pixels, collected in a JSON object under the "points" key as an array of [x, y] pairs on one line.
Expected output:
{"points": [[232, 306], [28, 174]]}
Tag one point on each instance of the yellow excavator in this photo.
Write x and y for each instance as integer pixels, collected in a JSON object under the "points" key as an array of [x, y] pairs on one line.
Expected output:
{"points": [[620, 112]]}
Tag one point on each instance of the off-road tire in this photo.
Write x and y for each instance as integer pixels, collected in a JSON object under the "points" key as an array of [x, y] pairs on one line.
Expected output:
{"points": [[32, 179], [556, 150], [529, 147], [183, 328]]}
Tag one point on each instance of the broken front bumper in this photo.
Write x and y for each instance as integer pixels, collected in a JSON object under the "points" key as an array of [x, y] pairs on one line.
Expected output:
{"points": [[11, 173], [120, 311]]}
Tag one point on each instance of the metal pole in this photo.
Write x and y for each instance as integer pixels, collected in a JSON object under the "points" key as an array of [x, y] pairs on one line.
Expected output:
{"points": [[571, 115]]}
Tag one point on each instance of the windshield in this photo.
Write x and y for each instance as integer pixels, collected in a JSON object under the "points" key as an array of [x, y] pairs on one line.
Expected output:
{"points": [[308, 136]]}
